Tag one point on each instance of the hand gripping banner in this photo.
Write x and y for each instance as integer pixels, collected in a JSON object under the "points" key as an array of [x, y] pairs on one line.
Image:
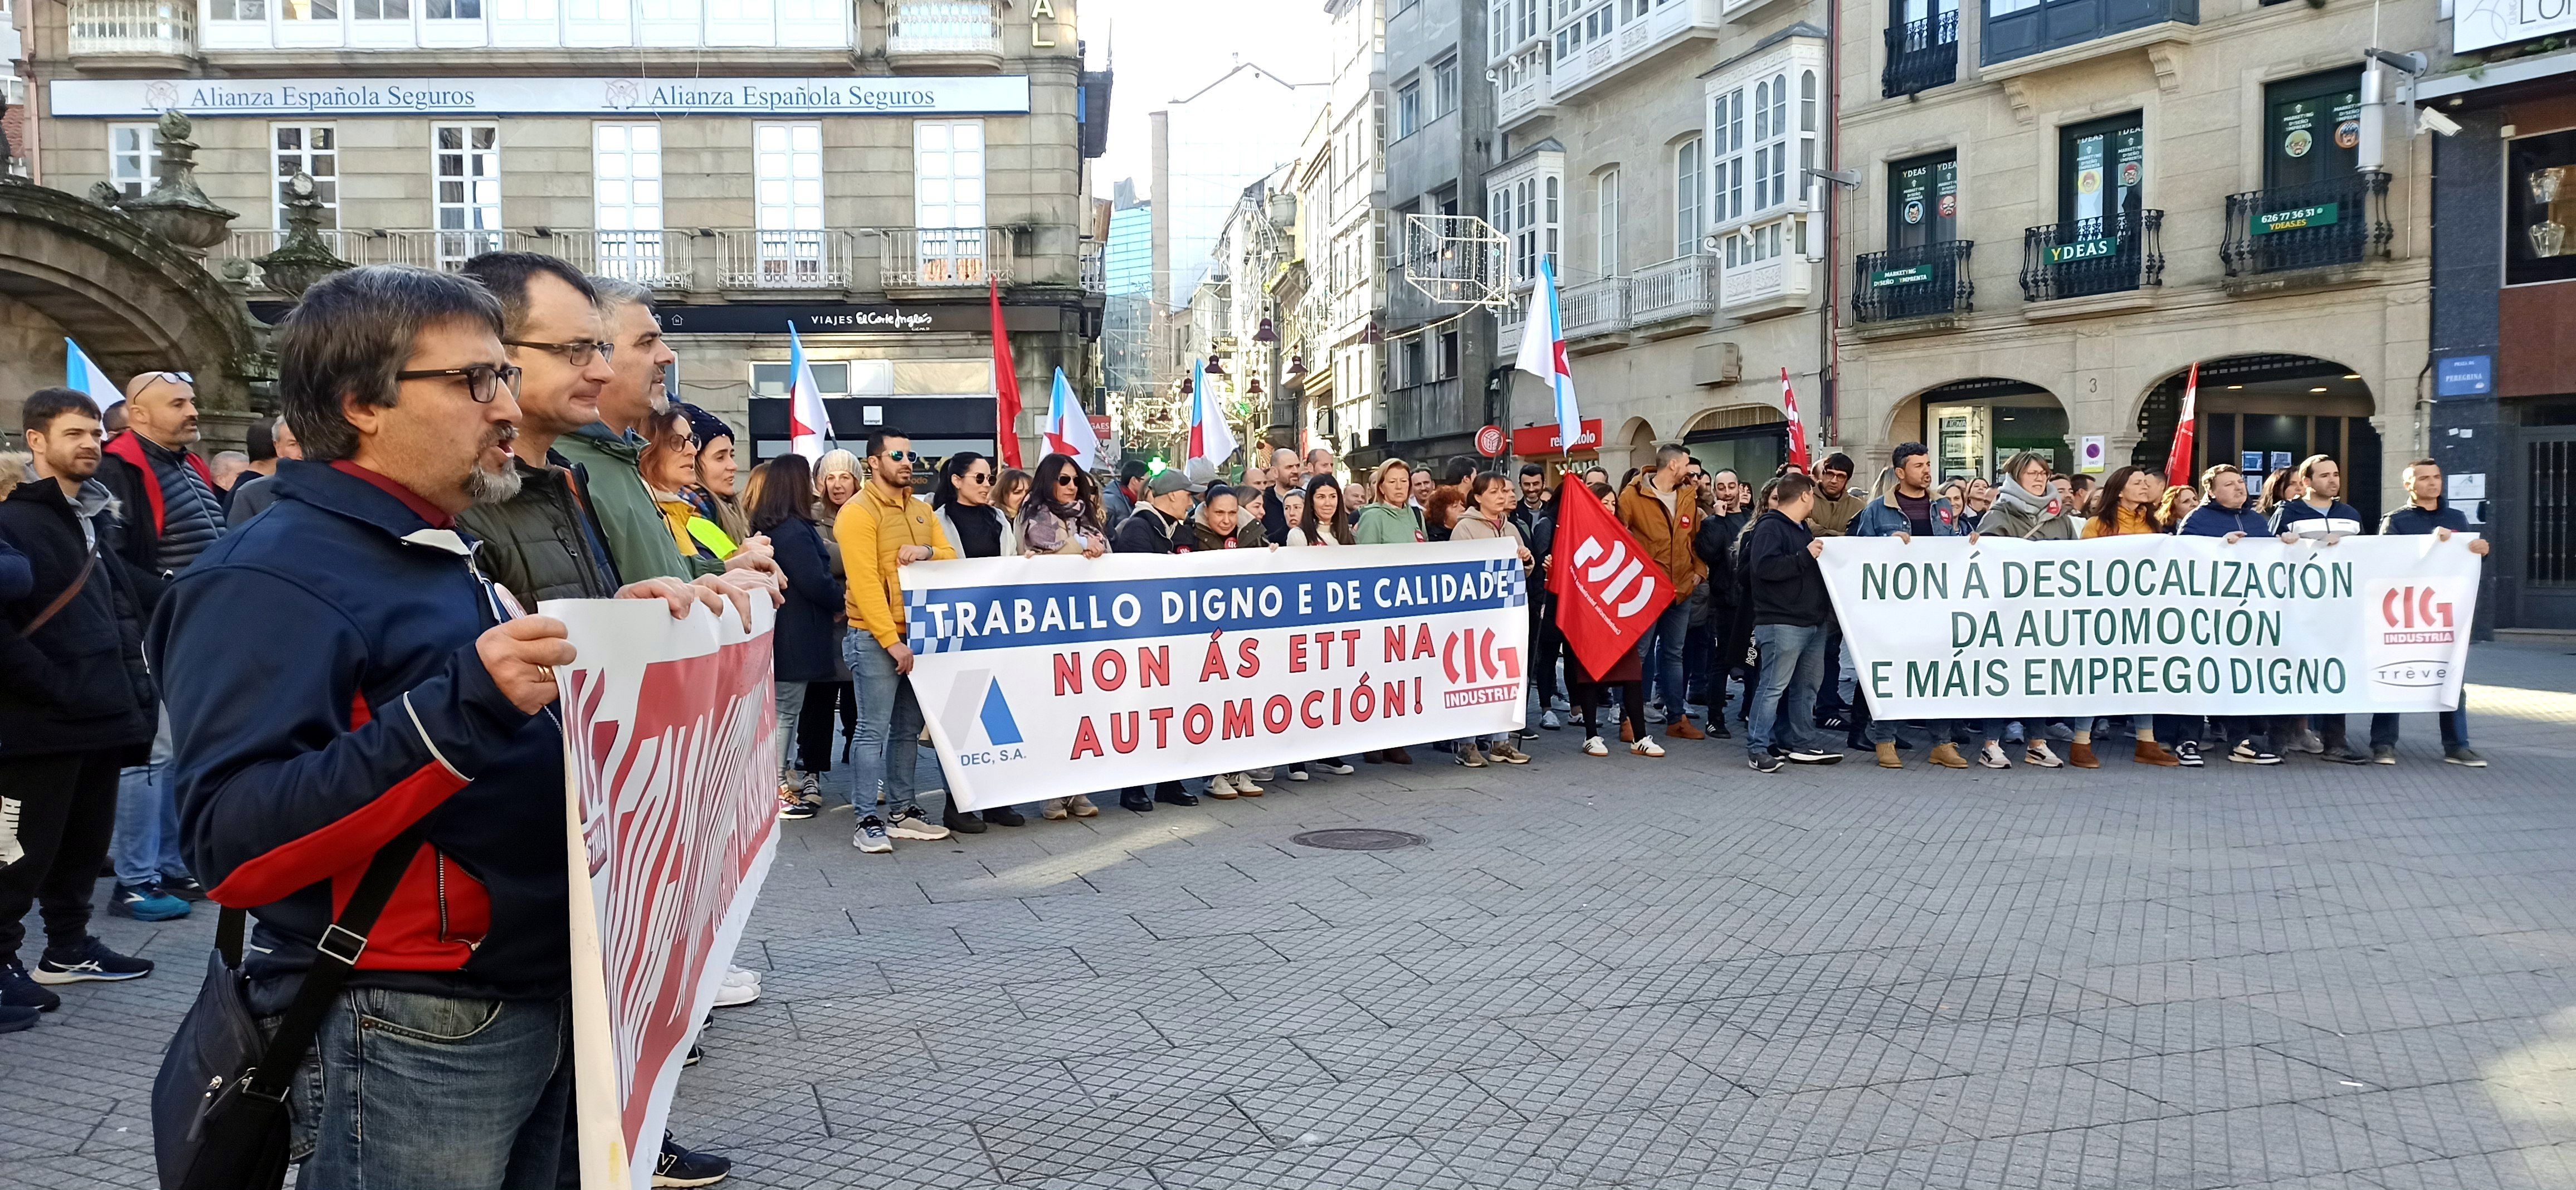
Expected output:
{"points": [[1052, 676], [670, 755], [2154, 624]]}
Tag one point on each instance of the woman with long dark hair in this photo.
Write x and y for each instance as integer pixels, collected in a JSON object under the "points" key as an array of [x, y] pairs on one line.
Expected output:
{"points": [[2126, 506], [1062, 515], [1322, 520], [964, 505], [809, 622]]}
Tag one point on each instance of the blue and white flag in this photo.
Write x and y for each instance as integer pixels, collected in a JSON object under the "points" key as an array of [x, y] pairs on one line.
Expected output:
{"points": [[1543, 354]]}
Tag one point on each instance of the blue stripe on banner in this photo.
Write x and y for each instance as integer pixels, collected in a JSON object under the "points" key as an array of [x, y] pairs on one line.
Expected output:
{"points": [[1010, 616]]}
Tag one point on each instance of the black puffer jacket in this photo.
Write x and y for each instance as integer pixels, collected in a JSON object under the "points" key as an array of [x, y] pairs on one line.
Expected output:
{"points": [[78, 684], [542, 543]]}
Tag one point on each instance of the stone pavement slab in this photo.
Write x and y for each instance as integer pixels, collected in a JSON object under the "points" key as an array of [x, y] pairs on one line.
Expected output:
{"points": [[1668, 975]]}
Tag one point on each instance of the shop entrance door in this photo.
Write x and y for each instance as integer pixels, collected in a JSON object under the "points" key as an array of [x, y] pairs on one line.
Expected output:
{"points": [[2542, 475]]}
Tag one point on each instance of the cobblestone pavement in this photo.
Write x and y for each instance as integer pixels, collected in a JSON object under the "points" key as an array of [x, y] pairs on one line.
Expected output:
{"points": [[1662, 974]]}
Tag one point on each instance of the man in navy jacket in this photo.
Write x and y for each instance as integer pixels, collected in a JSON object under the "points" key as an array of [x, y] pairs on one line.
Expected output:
{"points": [[2426, 513], [415, 697]]}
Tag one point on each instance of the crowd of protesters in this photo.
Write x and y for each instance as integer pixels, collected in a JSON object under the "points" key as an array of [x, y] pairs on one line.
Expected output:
{"points": [[456, 448]]}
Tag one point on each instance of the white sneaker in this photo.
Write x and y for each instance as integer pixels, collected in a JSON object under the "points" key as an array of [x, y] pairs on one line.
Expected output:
{"points": [[1243, 783], [731, 995], [1548, 720], [1297, 774], [1654, 712], [738, 975], [871, 836], [1992, 756], [1221, 787], [1257, 775], [1335, 767], [1592, 746], [2038, 754], [911, 825], [1646, 746]]}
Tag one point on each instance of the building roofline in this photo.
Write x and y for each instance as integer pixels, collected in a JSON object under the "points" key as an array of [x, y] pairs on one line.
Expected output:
{"points": [[1800, 29], [1239, 68]]}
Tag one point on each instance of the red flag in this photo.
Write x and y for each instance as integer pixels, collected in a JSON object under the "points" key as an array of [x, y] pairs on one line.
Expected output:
{"points": [[2178, 462], [1608, 592], [1797, 426], [1006, 385]]}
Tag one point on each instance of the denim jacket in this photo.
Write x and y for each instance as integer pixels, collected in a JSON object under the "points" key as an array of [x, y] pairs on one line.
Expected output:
{"points": [[1882, 518]]}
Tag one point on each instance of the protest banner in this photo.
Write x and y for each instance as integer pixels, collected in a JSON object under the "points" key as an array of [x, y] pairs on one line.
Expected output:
{"points": [[1051, 676], [671, 818], [2153, 624]]}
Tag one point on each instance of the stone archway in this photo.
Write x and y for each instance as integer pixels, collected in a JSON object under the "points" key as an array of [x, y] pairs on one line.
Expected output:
{"points": [[1971, 425], [132, 300], [2270, 409]]}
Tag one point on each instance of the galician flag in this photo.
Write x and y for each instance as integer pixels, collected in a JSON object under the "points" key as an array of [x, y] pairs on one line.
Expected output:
{"points": [[809, 429], [1543, 354], [2178, 463], [1797, 425], [1068, 427], [1210, 437]]}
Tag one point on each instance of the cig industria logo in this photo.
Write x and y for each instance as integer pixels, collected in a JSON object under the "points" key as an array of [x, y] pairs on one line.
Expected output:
{"points": [[2409, 617]]}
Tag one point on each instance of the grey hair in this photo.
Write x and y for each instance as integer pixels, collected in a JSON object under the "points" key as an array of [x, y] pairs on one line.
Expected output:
{"points": [[348, 336], [618, 291]]}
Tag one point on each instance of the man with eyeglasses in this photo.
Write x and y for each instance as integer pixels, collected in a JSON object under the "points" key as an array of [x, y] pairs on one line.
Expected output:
{"points": [[411, 713]]}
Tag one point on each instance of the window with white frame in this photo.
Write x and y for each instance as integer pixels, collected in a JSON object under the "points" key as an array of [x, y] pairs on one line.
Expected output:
{"points": [[626, 178], [787, 171], [314, 151], [1444, 86], [1408, 110], [1763, 121], [133, 157], [1690, 187], [1524, 209], [948, 200], [465, 184], [1606, 208]]}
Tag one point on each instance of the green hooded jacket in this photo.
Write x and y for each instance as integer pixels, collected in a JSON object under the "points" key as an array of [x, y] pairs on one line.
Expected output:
{"points": [[1381, 524], [638, 538]]}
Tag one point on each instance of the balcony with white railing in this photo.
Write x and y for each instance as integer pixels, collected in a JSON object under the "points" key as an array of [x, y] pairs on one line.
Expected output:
{"points": [[944, 33], [1595, 309], [1600, 40], [1779, 284], [1675, 297], [944, 257], [1523, 91], [786, 260], [810, 32], [133, 28]]}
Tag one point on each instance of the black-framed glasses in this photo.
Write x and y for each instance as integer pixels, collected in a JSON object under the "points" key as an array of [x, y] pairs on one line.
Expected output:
{"points": [[576, 354], [977, 477], [482, 381], [1065, 481]]}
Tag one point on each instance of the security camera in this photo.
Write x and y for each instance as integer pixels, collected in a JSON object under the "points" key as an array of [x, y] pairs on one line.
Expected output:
{"points": [[2428, 120]]}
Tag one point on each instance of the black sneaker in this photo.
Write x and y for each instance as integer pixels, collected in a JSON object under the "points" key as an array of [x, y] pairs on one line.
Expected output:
{"points": [[2188, 753], [17, 991], [1763, 762], [2346, 755], [16, 1020], [184, 887], [1176, 796], [1812, 756], [1833, 721], [2248, 753], [1005, 816], [90, 961], [2463, 757], [964, 824], [1137, 801], [679, 1167], [696, 1054]]}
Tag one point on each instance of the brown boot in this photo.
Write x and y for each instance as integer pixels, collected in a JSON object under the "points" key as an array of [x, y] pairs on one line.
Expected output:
{"points": [[2080, 755], [2151, 752], [1397, 756], [1627, 732], [1946, 755], [1684, 729], [1887, 758]]}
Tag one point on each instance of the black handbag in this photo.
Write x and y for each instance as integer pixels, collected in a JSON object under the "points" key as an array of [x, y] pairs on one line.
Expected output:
{"points": [[219, 1115]]}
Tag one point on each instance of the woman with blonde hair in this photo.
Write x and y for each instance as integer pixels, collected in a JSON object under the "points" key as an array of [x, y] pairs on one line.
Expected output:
{"points": [[1388, 519], [836, 482], [2176, 506]]}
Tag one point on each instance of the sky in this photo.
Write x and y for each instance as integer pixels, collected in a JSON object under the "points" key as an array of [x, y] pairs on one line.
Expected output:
{"points": [[1166, 49]]}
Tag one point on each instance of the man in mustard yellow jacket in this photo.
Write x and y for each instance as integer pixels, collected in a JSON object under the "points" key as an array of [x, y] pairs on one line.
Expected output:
{"points": [[882, 530]]}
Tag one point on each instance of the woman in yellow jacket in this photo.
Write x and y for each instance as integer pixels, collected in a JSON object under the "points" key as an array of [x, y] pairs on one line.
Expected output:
{"points": [[2124, 507]]}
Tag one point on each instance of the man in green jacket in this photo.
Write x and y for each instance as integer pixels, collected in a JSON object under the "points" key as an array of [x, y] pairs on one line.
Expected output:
{"points": [[609, 452]]}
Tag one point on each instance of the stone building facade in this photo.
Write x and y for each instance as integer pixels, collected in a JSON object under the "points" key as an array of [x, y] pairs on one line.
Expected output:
{"points": [[2053, 224], [856, 171]]}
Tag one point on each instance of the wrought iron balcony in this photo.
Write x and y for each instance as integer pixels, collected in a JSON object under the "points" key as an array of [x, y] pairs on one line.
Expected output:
{"points": [[134, 27], [2084, 257], [1921, 55], [1923, 281], [2313, 225]]}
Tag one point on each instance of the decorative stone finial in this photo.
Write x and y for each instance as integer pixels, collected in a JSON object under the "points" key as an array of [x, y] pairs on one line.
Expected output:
{"points": [[302, 258], [176, 208]]}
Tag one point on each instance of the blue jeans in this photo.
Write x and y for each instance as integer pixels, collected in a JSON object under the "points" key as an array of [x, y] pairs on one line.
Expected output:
{"points": [[889, 743], [1793, 662], [1940, 731], [434, 1092], [2455, 727], [1661, 652], [146, 845], [791, 709]]}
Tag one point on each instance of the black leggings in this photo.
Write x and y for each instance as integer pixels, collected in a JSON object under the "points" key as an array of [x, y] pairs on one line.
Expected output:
{"points": [[1632, 705], [824, 702]]}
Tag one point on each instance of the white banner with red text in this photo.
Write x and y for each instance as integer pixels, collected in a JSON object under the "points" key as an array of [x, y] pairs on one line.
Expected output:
{"points": [[670, 762], [2153, 624], [1047, 677]]}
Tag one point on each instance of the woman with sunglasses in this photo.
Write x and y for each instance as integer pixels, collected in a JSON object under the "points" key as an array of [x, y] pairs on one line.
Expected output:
{"points": [[1062, 515], [963, 502]]}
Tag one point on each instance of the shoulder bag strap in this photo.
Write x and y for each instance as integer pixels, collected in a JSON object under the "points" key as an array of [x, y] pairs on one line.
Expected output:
{"points": [[63, 600], [334, 957]]}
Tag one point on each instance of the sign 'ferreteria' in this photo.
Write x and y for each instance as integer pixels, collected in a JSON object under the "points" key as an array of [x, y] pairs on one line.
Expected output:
{"points": [[2082, 250], [2154, 624], [850, 96], [2321, 215], [1909, 275]]}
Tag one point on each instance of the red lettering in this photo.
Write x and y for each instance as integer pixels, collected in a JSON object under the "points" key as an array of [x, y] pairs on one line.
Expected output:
{"points": [[1213, 666], [1068, 674], [1306, 712], [1108, 669], [1392, 698], [1276, 714], [1162, 717], [1395, 650], [1238, 719], [1422, 642], [1124, 741], [1154, 666], [1350, 646], [1085, 740], [1197, 723], [1248, 658], [1296, 652]]}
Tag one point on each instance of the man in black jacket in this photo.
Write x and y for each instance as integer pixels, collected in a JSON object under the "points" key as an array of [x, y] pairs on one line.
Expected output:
{"points": [[1790, 609], [1160, 526], [75, 706]]}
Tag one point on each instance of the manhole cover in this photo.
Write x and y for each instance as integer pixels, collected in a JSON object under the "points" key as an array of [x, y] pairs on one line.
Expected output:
{"points": [[1360, 840]]}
